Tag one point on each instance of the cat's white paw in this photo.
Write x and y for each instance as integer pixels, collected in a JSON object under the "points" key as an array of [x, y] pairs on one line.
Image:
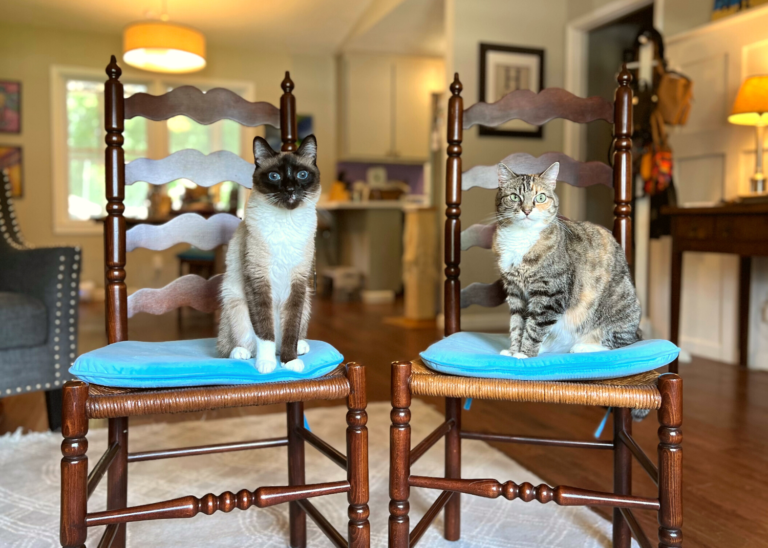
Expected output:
{"points": [[506, 352], [581, 348], [294, 365], [520, 355], [302, 348], [266, 365], [240, 353]]}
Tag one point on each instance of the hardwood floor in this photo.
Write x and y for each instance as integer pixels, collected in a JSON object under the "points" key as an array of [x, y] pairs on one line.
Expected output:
{"points": [[725, 425]]}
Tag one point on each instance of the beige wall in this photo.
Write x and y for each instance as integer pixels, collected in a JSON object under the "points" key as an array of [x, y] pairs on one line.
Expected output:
{"points": [[27, 53], [538, 24]]}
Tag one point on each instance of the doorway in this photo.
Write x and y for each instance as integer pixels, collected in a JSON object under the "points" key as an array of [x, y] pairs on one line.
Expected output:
{"points": [[606, 49]]}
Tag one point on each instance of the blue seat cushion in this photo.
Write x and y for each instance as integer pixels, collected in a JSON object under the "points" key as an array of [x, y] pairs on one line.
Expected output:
{"points": [[135, 364], [478, 355]]}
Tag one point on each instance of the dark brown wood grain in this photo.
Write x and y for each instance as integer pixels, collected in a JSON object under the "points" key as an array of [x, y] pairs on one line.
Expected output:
{"points": [[190, 506], [324, 447], [530, 440], [117, 476], [452, 529], [288, 132], [429, 516], [359, 529], [325, 526], [671, 462], [640, 456], [538, 108], [74, 466], [202, 107], [622, 164], [572, 172], [427, 443], [452, 311], [207, 449], [637, 530], [561, 495], [296, 516], [622, 474], [106, 460], [399, 456]]}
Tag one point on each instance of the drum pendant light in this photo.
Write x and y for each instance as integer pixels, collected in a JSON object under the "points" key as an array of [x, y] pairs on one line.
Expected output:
{"points": [[160, 46]]}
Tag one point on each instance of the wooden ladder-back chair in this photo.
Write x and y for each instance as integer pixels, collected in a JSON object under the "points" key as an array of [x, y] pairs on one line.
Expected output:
{"points": [[83, 401], [645, 391]]}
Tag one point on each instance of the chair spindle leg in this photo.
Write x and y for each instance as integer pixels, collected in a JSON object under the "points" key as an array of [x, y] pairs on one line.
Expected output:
{"points": [[400, 456], [74, 466], [453, 467], [297, 516], [359, 531], [117, 476], [671, 462], [622, 474]]}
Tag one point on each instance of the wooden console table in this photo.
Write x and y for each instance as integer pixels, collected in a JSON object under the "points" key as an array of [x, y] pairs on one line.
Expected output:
{"points": [[737, 229]]}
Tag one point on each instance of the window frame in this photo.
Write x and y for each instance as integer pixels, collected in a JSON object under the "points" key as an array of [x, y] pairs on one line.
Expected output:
{"points": [[157, 132]]}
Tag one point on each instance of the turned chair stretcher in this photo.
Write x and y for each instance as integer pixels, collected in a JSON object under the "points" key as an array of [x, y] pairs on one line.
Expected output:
{"points": [[645, 391]]}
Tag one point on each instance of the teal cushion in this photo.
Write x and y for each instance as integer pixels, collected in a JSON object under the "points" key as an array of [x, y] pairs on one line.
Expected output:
{"points": [[477, 355], [135, 364]]}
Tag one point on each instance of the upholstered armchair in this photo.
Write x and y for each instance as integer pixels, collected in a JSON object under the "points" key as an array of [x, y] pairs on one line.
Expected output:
{"points": [[38, 312]]}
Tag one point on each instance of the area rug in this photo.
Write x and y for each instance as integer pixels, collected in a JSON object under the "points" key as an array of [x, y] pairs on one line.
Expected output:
{"points": [[29, 488]]}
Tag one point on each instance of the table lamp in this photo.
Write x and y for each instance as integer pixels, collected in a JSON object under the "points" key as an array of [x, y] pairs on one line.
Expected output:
{"points": [[751, 109]]}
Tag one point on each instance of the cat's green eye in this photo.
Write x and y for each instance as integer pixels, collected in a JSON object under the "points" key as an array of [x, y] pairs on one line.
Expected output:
{"points": [[541, 198], [511, 198], [302, 175], [274, 176]]}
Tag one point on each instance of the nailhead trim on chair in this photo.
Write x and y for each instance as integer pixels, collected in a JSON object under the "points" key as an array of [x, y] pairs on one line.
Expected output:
{"points": [[59, 295]]}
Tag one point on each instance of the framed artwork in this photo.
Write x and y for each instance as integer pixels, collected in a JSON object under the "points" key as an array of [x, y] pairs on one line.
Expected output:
{"points": [[724, 8], [504, 69], [10, 160], [10, 107]]}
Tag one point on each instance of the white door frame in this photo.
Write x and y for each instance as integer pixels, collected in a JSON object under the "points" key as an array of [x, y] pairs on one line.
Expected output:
{"points": [[576, 53]]}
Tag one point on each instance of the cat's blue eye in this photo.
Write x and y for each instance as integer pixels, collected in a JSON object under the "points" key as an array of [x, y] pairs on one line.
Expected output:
{"points": [[274, 176], [302, 175], [541, 198]]}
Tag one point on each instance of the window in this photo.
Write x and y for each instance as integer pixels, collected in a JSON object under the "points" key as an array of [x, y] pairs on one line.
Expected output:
{"points": [[78, 143]]}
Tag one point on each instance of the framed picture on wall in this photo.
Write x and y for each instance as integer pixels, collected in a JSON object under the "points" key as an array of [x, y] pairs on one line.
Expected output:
{"points": [[10, 107], [504, 69], [10, 161]]}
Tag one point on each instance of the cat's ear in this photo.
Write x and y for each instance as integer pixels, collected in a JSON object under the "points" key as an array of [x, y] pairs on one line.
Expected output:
{"points": [[308, 148], [549, 177], [506, 175], [262, 151]]}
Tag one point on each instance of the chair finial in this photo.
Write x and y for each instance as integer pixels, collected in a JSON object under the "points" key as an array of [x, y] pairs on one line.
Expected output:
{"points": [[113, 69], [287, 83], [456, 86], [625, 77]]}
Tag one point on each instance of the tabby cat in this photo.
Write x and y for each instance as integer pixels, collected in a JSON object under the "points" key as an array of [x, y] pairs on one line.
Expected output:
{"points": [[265, 297], [567, 283]]}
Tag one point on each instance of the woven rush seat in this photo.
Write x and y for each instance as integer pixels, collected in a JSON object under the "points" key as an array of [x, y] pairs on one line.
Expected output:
{"points": [[108, 402], [637, 391]]}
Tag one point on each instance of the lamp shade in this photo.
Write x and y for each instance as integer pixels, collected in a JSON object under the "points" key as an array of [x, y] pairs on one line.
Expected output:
{"points": [[751, 106], [159, 46]]}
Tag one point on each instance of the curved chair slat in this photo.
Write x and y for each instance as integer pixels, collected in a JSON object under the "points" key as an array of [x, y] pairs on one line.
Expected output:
{"points": [[478, 236], [204, 170], [190, 290], [202, 107], [488, 295], [539, 108], [572, 172], [189, 228]]}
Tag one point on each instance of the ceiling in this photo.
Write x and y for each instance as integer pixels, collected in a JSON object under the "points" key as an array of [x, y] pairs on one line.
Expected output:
{"points": [[297, 26]]}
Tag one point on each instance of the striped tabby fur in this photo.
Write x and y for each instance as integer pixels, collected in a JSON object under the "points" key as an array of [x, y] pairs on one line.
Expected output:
{"points": [[568, 284]]}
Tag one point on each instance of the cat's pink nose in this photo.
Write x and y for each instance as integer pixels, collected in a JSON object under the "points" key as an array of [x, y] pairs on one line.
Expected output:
{"points": [[527, 211]]}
